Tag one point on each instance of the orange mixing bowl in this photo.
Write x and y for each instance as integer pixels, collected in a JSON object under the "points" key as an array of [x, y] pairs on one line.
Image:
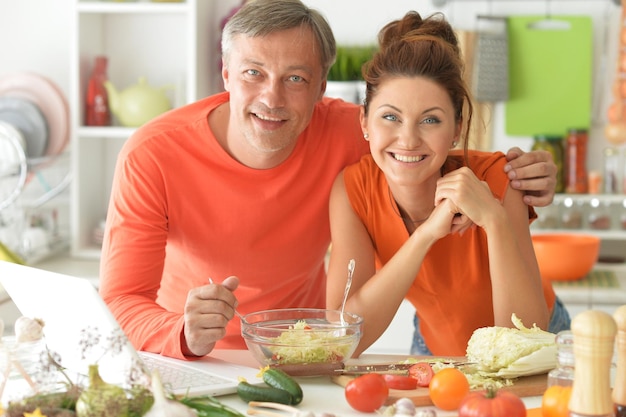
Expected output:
{"points": [[566, 256]]}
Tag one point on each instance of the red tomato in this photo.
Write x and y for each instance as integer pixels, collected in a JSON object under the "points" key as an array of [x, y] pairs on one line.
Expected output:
{"points": [[367, 393], [447, 388], [492, 403], [422, 372], [400, 381], [555, 401]]}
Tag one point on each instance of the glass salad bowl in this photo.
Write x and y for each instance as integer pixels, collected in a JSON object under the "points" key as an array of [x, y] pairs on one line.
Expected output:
{"points": [[301, 336]]}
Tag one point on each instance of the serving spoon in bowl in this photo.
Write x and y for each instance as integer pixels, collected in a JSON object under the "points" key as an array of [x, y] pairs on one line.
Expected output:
{"points": [[351, 266]]}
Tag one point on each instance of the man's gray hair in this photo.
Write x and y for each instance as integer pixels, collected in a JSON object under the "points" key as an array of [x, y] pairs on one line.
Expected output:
{"points": [[262, 17]]}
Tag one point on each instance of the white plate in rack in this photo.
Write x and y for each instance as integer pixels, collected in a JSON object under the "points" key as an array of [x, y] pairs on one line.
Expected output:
{"points": [[13, 168], [26, 117], [50, 100]]}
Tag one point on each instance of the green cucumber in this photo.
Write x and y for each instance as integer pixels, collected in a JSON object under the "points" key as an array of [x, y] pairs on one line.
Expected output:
{"points": [[249, 392], [279, 379]]}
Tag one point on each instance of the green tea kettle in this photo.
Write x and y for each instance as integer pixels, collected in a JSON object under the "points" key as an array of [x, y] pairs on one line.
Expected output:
{"points": [[138, 103]]}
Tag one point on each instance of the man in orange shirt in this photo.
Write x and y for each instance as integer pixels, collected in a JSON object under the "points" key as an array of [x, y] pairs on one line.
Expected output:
{"points": [[235, 188]]}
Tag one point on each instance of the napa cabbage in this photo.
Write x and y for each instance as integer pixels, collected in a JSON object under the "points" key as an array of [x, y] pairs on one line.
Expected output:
{"points": [[512, 352]]}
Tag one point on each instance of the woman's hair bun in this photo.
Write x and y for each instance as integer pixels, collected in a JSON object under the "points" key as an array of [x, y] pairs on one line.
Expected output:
{"points": [[412, 26]]}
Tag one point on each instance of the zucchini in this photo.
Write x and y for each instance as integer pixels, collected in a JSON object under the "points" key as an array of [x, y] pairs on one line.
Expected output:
{"points": [[278, 378], [249, 392]]}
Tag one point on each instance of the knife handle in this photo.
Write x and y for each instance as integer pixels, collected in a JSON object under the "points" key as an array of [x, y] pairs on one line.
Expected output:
{"points": [[311, 369]]}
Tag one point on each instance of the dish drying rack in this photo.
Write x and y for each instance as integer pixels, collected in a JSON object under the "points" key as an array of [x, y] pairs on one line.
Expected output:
{"points": [[33, 184], [33, 214]]}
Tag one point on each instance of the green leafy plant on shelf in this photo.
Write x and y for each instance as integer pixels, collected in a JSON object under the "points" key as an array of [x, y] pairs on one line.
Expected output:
{"points": [[350, 59]]}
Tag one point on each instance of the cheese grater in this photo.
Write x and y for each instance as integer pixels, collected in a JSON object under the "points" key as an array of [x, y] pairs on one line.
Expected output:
{"points": [[490, 81]]}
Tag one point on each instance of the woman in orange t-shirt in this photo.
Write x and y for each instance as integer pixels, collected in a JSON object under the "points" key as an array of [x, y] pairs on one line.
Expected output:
{"points": [[445, 228]]}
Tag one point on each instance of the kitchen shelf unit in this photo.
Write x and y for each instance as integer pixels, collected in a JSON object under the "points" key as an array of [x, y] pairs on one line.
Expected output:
{"points": [[613, 204], [169, 44]]}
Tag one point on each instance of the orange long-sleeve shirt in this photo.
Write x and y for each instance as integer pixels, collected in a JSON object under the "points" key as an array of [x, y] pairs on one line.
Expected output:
{"points": [[182, 210], [452, 291]]}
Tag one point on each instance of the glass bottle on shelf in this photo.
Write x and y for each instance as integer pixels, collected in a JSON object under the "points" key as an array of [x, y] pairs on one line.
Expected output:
{"points": [[563, 374], [611, 171], [97, 112], [622, 216], [624, 171], [576, 161]]}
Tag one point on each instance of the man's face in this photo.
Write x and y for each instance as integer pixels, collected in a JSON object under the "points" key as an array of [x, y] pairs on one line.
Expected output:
{"points": [[274, 82]]}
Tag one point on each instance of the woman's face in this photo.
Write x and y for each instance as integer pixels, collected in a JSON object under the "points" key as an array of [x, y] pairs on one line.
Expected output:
{"points": [[411, 128]]}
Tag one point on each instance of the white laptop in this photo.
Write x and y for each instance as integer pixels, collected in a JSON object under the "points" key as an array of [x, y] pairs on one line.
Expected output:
{"points": [[69, 306]]}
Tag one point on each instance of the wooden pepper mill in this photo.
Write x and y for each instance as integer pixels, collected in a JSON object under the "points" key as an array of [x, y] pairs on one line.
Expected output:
{"points": [[594, 338], [619, 386]]}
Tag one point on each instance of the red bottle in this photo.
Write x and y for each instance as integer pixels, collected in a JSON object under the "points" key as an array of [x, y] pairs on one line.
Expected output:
{"points": [[576, 181], [97, 111]]}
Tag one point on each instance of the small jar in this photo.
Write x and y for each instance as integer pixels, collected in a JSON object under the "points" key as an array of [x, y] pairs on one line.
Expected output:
{"points": [[576, 161], [572, 216], [563, 374], [554, 145], [622, 216], [548, 217], [594, 182], [20, 367], [599, 214], [611, 171]]}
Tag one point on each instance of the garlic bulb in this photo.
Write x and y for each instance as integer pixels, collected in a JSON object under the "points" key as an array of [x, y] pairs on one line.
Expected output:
{"points": [[28, 330], [163, 406], [404, 407], [101, 399]]}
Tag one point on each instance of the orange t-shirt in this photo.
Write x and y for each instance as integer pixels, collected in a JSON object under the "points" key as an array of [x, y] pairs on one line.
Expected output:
{"points": [[452, 291], [182, 210]]}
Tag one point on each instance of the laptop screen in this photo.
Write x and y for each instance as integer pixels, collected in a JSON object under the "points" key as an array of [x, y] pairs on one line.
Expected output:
{"points": [[80, 330]]}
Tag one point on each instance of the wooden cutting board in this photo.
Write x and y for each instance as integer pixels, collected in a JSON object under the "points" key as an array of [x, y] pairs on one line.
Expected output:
{"points": [[528, 386]]}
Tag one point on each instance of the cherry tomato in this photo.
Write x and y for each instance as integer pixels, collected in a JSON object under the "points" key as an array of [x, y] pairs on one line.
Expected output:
{"points": [[492, 403], [422, 372], [447, 388], [367, 393], [400, 381], [555, 401]]}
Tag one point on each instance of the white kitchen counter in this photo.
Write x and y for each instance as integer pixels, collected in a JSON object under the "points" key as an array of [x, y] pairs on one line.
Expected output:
{"points": [[321, 395]]}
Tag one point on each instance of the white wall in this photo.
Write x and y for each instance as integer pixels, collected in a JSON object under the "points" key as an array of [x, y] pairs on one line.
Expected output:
{"points": [[34, 36]]}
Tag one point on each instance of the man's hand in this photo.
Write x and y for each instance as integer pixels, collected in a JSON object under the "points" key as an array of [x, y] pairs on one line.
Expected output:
{"points": [[207, 312], [534, 173]]}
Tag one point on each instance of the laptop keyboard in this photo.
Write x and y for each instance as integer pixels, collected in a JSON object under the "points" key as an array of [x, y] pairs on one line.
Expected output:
{"points": [[180, 377]]}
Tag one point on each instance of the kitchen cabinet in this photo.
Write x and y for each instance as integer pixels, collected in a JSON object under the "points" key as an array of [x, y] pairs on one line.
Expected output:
{"points": [[165, 42]]}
